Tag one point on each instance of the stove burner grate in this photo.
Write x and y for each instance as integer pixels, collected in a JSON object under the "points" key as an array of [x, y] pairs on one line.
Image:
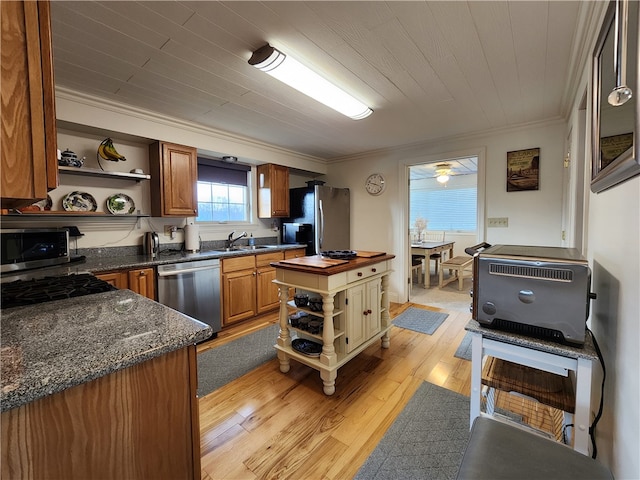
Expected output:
{"points": [[32, 292]]}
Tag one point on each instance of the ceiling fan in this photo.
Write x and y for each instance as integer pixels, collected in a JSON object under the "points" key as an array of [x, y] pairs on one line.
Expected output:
{"points": [[443, 170]]}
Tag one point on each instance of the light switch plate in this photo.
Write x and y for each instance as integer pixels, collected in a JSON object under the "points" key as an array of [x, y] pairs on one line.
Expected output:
{"points": [[498, 222]]}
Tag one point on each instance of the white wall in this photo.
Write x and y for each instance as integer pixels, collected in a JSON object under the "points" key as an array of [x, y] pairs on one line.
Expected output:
{"points": [[612, 245], [379, 223], [614, 256], [85, 121]]}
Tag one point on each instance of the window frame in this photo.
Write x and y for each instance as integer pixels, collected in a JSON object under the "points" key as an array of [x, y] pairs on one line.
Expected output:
{"points": [[216, 225]]}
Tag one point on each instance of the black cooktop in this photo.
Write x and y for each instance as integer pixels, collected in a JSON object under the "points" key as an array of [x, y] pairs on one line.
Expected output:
{"points": [[31, 292]]}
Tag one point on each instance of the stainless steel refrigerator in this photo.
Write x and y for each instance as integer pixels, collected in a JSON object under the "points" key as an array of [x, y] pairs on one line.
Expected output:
{"points": [[319, 218]]}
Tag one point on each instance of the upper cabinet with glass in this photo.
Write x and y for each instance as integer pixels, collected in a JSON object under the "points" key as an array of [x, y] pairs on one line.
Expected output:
{"points": [[615, 115]]}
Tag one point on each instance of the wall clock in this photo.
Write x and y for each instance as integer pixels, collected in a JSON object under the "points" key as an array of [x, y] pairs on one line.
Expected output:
{"points": [[375, 184]]}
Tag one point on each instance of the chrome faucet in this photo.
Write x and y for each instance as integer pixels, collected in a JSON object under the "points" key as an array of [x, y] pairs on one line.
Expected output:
{"points": [[231, 240]]}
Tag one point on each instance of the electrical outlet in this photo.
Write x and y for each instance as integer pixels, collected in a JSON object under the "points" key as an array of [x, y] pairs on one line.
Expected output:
{"points": [[498, 222], [170, 231]]}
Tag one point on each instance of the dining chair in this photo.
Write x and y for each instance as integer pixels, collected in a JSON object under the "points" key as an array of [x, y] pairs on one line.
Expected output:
{"points": [[416, 267], [435, 236]]}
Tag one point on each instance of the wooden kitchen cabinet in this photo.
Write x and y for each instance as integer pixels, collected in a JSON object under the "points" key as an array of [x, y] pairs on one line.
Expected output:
{"points": [[119, 280], [137, 423], [247, 286], [174, 175], [29, 166], [139, 280], [238, 289], [273, 191], [295, 253], [267, 297], [143, 281]]}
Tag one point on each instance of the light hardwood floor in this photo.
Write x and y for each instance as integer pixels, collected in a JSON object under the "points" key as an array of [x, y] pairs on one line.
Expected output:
{"points": [[267, 424]]}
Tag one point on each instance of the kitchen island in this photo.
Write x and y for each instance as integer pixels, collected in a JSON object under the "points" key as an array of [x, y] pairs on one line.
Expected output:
{"points": [[102, 385], [354, 314]]}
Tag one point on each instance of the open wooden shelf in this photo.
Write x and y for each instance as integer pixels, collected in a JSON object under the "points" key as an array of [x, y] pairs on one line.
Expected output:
{"points": [[94, 172], [61, 213]]}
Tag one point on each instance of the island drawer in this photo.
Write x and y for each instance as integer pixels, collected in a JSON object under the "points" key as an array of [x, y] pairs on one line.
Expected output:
{"points": [[365, 272]]}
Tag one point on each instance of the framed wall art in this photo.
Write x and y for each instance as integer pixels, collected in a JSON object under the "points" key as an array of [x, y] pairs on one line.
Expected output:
{"points": [[523, 170]]}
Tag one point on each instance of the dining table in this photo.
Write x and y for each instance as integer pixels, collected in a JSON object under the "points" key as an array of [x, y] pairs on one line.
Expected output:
{"points": [[427, 249]]}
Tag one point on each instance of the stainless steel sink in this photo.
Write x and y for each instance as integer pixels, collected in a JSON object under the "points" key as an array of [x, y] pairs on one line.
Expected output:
{"points": [[239, 248]]}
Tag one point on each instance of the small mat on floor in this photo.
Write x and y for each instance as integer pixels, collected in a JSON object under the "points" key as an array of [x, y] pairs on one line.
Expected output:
{"points": [[464, 349], [419, 320], [220, 365], [427, 439]]}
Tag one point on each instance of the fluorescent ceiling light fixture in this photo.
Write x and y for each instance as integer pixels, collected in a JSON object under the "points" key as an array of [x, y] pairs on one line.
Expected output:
{"points": [[288, 70]]}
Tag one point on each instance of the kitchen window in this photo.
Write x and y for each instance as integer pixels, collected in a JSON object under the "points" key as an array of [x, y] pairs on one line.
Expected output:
{"points": [[222, 192]]}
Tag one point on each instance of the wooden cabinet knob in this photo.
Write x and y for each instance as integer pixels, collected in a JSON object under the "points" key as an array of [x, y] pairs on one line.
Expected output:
{"points": [[373, 270], [359, 274], [365, 313]]}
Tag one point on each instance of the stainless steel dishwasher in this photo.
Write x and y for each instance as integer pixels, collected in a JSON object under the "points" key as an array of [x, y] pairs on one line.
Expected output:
{"points": [[192, 288]]}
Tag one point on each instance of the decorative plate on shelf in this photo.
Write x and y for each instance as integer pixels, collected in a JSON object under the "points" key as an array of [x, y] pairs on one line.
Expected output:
{"points": [[121, 204], [307, 347], [79, 202]]}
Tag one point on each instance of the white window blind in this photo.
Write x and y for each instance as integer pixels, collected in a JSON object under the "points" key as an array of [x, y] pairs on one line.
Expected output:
{"points": [[223, 192], [448, 209]]}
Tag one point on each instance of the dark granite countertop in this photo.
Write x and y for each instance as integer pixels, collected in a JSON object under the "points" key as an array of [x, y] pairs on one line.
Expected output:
{"points": [[52, 346], [49, 347], [105, 262], [56, 345], [588, 351]]}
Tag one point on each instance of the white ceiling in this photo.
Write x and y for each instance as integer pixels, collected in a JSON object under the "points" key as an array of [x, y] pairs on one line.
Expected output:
{"points": [[428, 69], [456, 166]]}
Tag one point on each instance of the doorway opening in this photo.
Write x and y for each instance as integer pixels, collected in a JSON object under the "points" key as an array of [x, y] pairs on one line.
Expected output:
{"points": [[444, 207]]}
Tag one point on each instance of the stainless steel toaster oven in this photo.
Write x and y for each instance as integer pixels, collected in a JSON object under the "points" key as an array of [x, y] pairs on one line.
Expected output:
{"points": [[536, 291]]}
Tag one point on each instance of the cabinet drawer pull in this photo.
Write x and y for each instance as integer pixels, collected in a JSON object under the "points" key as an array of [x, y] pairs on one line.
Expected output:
{"points": [[365, 312], [359, 274], [373, 270]]}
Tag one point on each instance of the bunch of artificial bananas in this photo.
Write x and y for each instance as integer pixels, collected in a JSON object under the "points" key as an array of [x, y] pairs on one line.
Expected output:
{"points": [[107, 151]]}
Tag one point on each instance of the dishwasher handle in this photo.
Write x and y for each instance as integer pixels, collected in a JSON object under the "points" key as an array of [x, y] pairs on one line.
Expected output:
{"points": [[174, 272]]}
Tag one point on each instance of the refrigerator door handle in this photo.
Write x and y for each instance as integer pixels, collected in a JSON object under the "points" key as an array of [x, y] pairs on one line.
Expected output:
{"points": [[320, 226]]}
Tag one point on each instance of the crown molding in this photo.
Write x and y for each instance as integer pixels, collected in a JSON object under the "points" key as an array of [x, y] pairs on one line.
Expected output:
{"points": [[149, 116]]}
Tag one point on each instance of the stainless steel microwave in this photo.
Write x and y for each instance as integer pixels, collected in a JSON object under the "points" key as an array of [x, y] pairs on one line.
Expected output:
{"points": [[34, 248]]}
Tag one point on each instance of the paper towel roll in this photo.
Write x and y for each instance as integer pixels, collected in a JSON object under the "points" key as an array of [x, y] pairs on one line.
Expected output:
{"points": [[191, 238]]}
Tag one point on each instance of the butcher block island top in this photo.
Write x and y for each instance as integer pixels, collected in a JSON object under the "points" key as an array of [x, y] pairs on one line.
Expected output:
{"points": [[354, 313]]}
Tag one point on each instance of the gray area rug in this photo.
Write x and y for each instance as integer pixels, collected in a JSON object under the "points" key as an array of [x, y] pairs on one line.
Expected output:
{"points": [[426, 441], [218, 366], [419, 320], [464, 349]]}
